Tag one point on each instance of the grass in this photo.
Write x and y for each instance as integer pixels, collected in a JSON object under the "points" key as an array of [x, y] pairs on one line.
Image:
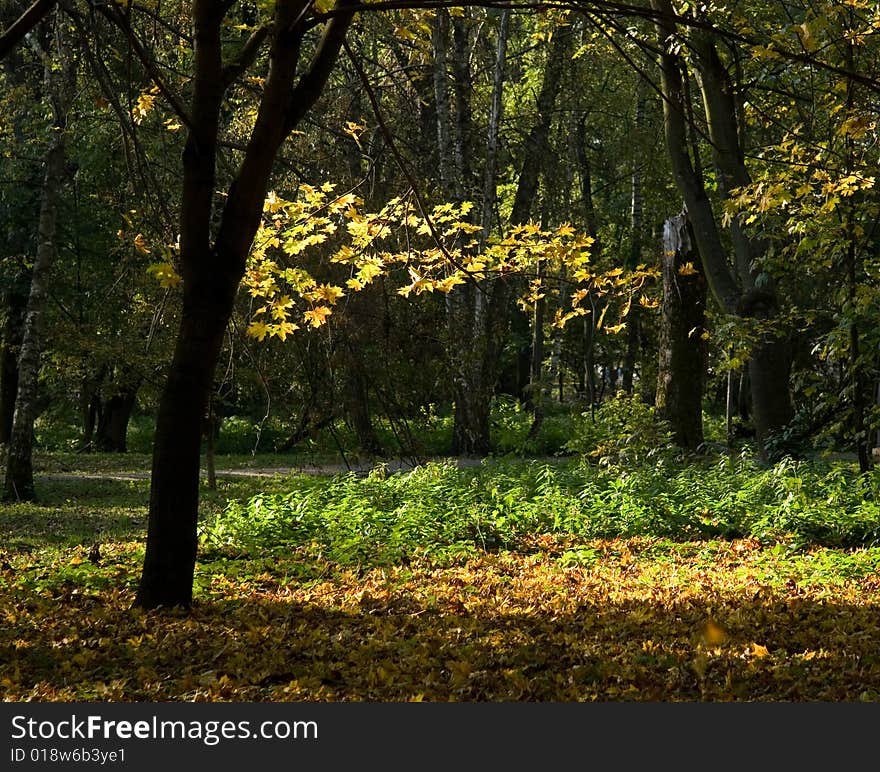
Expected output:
{"points": [[510, 581]]}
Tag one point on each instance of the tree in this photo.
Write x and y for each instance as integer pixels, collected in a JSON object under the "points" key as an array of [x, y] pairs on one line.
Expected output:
{"points": [[741, 292], [213, 256], [60, 77]]}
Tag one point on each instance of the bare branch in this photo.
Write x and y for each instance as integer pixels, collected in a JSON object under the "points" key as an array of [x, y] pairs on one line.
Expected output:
{"points": [[401, 164], [113, 14]]}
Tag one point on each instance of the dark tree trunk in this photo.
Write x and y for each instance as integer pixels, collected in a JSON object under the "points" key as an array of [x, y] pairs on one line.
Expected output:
{"points": [[734, 290], [358, 405], [16, 298], [169, 562], [113, 422], [470, 432], [769, 370], [534, 159], [30, 18], [212, 266], [682, 365]]}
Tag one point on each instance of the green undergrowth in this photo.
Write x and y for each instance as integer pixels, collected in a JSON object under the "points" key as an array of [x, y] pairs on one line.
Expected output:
{"points": [[441, 511]]}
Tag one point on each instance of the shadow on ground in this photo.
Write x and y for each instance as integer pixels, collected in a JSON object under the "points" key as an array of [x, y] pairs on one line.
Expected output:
{"points": [[402, 649]]}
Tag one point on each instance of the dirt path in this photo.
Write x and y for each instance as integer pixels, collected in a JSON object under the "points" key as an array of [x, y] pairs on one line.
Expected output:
{"points": [[360, 468]]}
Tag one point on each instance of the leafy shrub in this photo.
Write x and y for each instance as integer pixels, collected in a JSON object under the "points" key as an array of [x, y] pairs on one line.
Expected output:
{"points": [[511, 423], [440, 510], [622, 430]]}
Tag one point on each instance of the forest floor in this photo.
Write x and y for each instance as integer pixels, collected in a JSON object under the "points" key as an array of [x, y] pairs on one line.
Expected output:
{"points": [[558, 618]]}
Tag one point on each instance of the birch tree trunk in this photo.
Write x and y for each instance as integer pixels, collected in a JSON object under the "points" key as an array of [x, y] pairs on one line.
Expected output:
{"points": [[636, 222], [578, 140], [476, 313], [59, 77]]}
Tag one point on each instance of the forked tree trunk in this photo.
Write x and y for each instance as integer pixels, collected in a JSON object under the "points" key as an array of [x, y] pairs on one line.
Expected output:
{"points": [[212, 265], [735, 290]]}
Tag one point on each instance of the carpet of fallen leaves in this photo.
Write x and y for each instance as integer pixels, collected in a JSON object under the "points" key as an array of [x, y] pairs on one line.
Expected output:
{"points": [[718, 622]]}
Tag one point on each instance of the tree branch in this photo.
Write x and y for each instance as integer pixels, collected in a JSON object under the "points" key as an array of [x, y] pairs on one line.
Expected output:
{"points": [[114, 16], [245, 58], [312, 83], [31, 17]]}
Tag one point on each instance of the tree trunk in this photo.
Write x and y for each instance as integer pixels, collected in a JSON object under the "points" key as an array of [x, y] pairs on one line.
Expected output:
{"points": [[440, 45], [489, 179], [554, 374], [536, 370], [60, 78], [736, 292], [682, 365], [476, 315], [534, 158], [770, 362], [16, 299], [211, 273], [90, 411], [471, 423], [113, 421], [170, 557], [211, 429], [358, 406], [589, 345], [636, 221]]}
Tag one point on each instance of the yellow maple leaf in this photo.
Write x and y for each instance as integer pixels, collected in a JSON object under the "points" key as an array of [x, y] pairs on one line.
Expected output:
{"points": [[317, 316], [280, 306], [258, 330], [165, 274], [283, 329], [329, 292]]}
